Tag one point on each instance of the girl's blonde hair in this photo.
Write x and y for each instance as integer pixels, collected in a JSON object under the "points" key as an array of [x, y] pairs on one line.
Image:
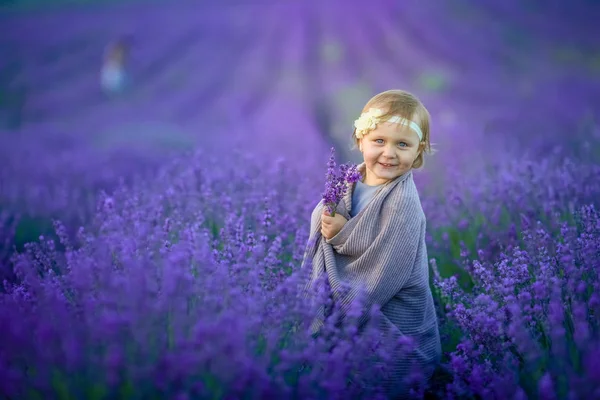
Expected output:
{"points": [[408, 106]]}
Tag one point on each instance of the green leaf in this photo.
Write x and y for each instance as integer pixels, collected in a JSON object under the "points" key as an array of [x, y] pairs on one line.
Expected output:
{"points": [[59, 384]]}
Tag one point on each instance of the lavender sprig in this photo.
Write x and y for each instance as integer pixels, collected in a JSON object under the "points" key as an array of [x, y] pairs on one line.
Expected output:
{"points": [[337, 182]]}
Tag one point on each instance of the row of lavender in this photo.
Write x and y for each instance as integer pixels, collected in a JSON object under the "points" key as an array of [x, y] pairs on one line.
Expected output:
{"points": [[179, 285]]}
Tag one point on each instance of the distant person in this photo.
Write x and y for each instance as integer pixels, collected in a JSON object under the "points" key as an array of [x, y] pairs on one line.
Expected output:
{"points": [[114, 77]]}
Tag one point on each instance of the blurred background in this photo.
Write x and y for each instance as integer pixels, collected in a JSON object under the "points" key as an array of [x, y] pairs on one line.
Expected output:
{"points": [[94, 92]]}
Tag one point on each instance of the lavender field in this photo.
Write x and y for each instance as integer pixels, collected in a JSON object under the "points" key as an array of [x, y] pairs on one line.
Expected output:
{"points": [[151, 241]]}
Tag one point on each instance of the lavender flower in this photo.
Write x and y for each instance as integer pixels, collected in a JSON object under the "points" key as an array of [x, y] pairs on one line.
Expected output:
{"points": [[337, 182]]}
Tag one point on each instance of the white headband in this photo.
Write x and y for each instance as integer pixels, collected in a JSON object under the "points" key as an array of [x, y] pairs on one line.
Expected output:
{"points": [[369, 120]]}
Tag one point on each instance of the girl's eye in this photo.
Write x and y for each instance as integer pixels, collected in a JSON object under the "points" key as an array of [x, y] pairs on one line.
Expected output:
{"points": [[379, 141], [402, 144]]}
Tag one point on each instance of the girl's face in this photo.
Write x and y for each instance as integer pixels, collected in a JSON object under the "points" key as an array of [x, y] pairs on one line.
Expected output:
{"points": [[388, 151]]}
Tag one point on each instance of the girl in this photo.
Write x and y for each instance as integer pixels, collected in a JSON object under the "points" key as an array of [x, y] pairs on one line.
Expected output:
{"points": [[375, 243]]}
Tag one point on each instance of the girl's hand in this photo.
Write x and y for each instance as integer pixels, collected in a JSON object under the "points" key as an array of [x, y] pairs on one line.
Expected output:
{"points": [[330, 226]]}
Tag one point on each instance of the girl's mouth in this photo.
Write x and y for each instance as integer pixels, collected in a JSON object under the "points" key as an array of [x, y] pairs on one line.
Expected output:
{"points": [[387, 165]]}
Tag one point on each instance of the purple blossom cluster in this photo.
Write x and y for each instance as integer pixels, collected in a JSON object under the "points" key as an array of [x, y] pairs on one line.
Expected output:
{"points": [[515, 271], [529, 324], [338, 181], [487, 211]]}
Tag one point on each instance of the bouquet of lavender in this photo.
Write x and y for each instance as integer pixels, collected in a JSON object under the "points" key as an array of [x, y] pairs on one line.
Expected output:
{"points": [[337, 182]]}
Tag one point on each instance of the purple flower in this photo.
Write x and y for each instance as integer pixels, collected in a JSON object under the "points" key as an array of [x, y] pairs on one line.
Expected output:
{"points": [[337, 182]]}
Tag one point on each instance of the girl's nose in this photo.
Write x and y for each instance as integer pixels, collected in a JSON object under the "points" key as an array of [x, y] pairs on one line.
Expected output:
{"points": [[389, 152]]}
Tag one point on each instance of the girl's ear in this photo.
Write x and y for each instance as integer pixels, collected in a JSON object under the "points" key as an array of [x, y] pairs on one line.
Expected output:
{"points": [[360, 145]]}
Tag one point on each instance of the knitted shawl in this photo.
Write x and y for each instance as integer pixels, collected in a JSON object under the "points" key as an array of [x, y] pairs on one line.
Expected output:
{"points": [[381, 255]]}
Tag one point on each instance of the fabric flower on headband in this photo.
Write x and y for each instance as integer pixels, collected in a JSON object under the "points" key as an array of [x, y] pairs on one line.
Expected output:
{"points": [[367, 121]]}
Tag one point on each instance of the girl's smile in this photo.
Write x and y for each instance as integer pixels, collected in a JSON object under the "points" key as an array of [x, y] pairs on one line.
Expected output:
{"points": [[387, 165]]}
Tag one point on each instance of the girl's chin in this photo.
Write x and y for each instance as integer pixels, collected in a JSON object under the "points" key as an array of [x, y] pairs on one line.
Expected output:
{"points": [[389, 172]]}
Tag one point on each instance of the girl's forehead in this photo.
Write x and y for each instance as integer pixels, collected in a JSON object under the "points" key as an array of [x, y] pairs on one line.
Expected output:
{"points": [[395, 131]]}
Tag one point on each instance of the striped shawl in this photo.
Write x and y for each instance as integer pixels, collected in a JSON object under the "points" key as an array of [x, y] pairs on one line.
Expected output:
{"points": [[381, 254]]}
